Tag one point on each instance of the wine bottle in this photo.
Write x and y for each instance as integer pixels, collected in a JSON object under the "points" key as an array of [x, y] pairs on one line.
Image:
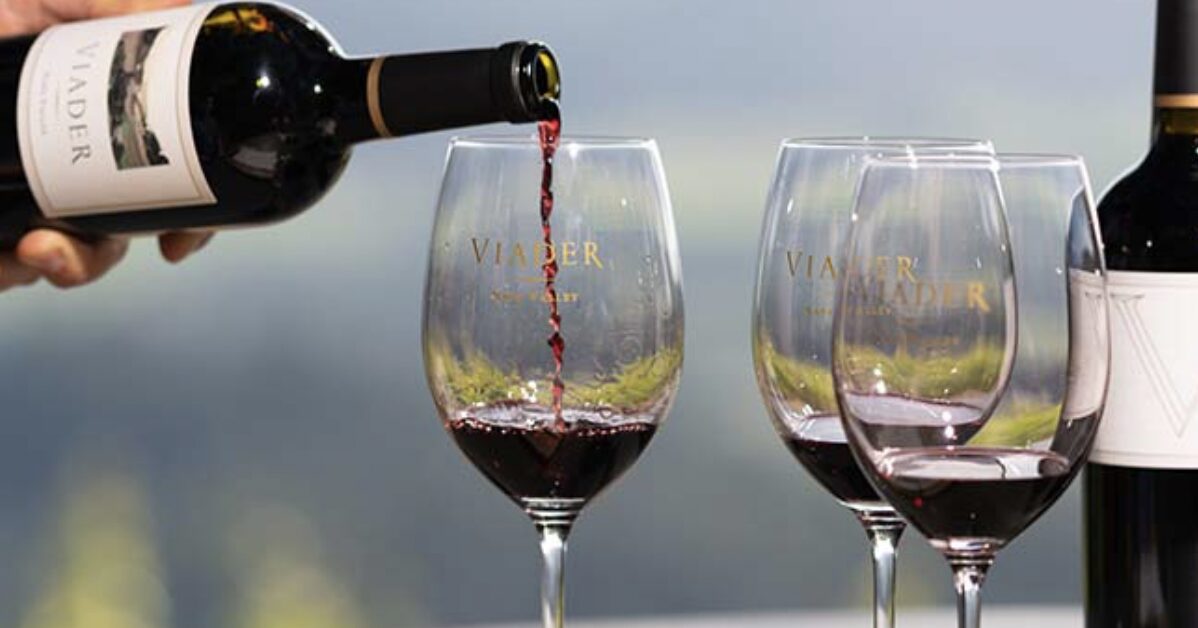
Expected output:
{"points": [[1141, 487], [222, 114]]}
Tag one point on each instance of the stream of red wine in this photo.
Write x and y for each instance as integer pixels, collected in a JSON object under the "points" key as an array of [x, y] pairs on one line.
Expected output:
{"points": [[549, 131]]}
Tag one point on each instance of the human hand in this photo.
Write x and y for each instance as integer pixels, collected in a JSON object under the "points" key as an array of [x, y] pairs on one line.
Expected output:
{"points": [[63, 260]]}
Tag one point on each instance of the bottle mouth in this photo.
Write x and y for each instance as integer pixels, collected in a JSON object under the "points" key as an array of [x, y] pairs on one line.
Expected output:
{"points": [[536, 79], [546, 80]]}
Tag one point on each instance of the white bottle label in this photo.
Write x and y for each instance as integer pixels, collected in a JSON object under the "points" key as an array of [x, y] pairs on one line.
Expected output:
{"points": [[1151, 417], [103, 115]]}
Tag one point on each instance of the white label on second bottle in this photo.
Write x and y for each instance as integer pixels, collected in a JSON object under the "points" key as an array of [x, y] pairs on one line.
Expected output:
{"points": [[1151, 417], [103, 116]]}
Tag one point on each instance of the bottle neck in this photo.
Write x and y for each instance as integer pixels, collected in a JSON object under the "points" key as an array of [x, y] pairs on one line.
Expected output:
{"points": [[393, 96], [1172, 124], [1175, 71], [1175, 85], [1174, 141]]}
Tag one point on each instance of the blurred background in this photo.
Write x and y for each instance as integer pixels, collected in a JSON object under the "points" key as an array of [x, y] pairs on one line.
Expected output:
{"points": [[246, 440]]}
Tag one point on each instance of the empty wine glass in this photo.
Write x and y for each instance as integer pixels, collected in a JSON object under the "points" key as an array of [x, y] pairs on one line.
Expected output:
{"points": [[806, 223], [597, 285], [969, 411]]}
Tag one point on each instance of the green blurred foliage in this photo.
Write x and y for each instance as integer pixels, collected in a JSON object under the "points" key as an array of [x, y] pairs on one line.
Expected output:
{"points": [[798, 382], [931, 377], [937, 377], [1020, 425], [476, 380], [281, 580], [803, 384], [105, 571]]}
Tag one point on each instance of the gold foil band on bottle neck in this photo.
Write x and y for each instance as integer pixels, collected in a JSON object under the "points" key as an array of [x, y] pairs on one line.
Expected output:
{"points": [[373, 97], [1178, 120], [1176, 101]]}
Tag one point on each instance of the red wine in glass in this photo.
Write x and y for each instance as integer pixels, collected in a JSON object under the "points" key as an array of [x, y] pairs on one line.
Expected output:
{"points": [[983, 494], [819, 445], [529, 457], [818, 441]]}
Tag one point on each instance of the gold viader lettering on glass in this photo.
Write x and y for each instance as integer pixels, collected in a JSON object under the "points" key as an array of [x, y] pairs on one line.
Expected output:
{"points": [[885, 281], [904, 268], [807, 266], [591, 253], [970, 295], [478, 254], [828, 269], [518, 254], [531, 256], [792, 261], [567, 253], [977, 297]]}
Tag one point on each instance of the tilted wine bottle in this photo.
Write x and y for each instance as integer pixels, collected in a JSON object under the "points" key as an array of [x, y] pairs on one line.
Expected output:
{"points": [[1141, 488], [221, 114]]}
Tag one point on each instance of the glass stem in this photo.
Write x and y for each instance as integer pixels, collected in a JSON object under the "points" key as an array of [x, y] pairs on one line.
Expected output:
{"points": [[553, 554], [968, 575], [884, 528]]}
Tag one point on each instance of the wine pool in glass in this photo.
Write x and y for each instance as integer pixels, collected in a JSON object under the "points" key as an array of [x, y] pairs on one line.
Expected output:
{"points": [[971, 377], [553, 320], [806, 223]]}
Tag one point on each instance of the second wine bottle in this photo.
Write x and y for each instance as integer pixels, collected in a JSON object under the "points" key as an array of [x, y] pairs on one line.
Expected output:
{"points": [[1141, 509]]}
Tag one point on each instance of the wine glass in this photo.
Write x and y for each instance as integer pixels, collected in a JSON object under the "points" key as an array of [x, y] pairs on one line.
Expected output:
{"points": [[971, 410], [597, 283], [806, 222]]}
